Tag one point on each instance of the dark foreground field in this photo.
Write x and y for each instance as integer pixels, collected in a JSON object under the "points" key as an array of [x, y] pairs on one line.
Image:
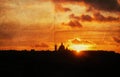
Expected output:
{"points": [[58, 64]]}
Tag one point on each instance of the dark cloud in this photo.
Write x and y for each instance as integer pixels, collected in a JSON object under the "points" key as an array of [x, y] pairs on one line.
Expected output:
{"points": [[43, 45], [75, 23], [100, 17], [56, 1], [61, 9], [66, 9], [96, 17], [72, 16], [116, 39], [86, 18], [105, 5]]}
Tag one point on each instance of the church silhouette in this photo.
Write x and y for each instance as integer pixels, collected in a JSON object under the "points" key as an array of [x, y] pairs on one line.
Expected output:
{"points": [[61, 48]]}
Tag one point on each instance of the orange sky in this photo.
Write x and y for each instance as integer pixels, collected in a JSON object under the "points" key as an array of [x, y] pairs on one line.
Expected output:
{"points": [[28, 24]]}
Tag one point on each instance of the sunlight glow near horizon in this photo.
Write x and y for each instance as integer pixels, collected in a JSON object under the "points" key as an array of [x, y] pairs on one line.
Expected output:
{"points": [[79, 47]]}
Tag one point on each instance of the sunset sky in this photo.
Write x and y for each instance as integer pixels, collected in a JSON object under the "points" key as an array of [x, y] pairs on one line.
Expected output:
{"points": [[39, 24]]}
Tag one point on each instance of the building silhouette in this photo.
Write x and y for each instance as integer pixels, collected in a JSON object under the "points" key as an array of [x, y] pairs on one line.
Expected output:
{"points": [[55, 47], [62, 47]]}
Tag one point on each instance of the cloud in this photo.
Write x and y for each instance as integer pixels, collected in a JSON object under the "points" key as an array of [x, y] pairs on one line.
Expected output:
{"points": [[42, 45], [62, 1], [105, 5], [100, 17], [86, 18], [72, 16], [96, 17], [75, 23], [60, 8], [116, 39], [76, 41], [79, 41], [72, 24]]}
